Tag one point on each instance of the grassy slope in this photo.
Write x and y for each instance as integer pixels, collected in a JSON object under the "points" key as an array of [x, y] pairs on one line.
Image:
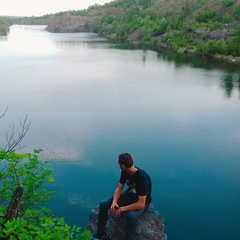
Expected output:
{"points": [[183, 15]]}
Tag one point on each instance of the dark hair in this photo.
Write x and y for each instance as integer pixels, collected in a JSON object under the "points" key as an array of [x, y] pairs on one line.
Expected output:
{"points": [[125, 159]]}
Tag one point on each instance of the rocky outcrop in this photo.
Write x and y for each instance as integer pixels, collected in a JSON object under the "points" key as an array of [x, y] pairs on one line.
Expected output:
{"points": [[150, 225], [68, 23], [225, 33]]}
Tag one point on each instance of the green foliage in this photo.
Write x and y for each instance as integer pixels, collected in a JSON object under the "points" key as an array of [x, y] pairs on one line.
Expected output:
{"points": [[228, 3], [177, 41], [227, 18], [230, 47], [215, 26], [236, 13], [201, 47], [202, 2], [160, 26], [139, 18], [145, 3], [236, 34], [233, 45], [33, 222], [28, 170], [4, 24], [108, 19], [208, 16], [146, 20], [216, 46], [38, 225], [79, 13]]}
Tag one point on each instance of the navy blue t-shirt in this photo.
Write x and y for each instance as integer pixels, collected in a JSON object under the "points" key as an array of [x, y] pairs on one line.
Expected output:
{"points": [[140, 183]]}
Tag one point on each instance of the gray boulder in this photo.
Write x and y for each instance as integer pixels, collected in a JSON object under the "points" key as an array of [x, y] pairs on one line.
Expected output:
{"points": [[150, 225]]}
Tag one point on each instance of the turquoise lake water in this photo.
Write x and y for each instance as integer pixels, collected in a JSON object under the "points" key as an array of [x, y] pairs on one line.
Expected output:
{"points": [[89, 100]]}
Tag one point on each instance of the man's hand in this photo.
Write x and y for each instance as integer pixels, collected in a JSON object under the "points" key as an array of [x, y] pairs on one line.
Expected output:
{"points": [[115, 211]]}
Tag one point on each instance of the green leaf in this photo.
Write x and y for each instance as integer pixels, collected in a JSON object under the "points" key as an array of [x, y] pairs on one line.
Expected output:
{"points": [[2, 154], [51, 179]]}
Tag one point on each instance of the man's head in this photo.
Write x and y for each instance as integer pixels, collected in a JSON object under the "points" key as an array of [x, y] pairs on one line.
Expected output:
{"points": [[125, 159]]}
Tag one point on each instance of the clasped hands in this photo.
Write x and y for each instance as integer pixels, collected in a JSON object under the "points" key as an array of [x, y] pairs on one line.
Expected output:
{"points": [[115, 210]]}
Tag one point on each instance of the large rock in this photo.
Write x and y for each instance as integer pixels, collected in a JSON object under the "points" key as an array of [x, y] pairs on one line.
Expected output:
{"points": [[67, 23], [150, 225]]}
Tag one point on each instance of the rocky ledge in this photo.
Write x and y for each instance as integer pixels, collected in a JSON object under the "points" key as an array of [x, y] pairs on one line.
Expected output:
{"points": [[150, 226], [69, 24]]}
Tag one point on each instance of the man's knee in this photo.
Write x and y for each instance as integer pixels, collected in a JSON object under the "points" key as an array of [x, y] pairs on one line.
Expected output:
{"points": [[105, 203], [132, 217]]}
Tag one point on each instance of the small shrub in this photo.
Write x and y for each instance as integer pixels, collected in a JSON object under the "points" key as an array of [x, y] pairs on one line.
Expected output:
{"points": [[215, 26], [227, 18], [215, 46], [146, 38], [228, 3], [201, 47], [236, 13], [207, 16]]}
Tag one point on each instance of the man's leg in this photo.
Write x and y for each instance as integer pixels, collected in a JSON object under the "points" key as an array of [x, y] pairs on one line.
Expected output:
{"points": [[105, 205], [125, 199], [132, 218], [103, 214]]}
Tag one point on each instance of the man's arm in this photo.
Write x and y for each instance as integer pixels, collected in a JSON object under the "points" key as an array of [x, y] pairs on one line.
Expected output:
{"points": [[135, 206], [117, 195]]}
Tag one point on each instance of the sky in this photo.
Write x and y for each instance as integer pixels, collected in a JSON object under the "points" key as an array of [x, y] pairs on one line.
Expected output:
{"points": [[42, 7]]}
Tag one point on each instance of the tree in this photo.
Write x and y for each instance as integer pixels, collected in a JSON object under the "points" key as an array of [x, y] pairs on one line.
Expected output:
{"points": [[13, 141], [22, 177]]}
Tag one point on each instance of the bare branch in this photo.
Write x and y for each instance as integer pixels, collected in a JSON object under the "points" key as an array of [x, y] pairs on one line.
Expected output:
{"points": [[12, 141], [4, 112]]}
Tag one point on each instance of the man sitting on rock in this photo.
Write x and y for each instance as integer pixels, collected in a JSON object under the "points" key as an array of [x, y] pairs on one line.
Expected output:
{"points": [[133, 201]]}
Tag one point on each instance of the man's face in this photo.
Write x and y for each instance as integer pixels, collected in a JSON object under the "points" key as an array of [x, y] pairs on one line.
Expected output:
{"points": [[120, 165]]}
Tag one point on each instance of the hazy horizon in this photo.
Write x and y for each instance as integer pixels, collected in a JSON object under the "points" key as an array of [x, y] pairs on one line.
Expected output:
{"points": [[26, 8]]}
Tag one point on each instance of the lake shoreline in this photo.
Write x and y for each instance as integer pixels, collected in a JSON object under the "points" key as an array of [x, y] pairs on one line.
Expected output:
{"points": [[234, 61]]}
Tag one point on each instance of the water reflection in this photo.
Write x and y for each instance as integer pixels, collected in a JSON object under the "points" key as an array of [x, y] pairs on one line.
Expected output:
{"points": [[71, 44], [199, 62], [28, 41], [230, 82]]}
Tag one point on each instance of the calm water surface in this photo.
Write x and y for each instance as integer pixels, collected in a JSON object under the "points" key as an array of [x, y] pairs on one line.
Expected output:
{"points": [[90, 100]]}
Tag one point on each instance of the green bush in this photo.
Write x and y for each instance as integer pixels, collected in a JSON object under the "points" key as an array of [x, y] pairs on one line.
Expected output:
{"points": [[236, 13], [108, 19], [160, 27], [207, 16], [228, 3], [233, 46], [227, 18], [4, 24], [146, 38], [216, 46], [177, 41], [29, 171], [201, 47], [215, 26], [38, 225]]}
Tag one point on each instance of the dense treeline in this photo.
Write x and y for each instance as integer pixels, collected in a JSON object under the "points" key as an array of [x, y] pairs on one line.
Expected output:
{"points": [[4, 25], [197, 25]]}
